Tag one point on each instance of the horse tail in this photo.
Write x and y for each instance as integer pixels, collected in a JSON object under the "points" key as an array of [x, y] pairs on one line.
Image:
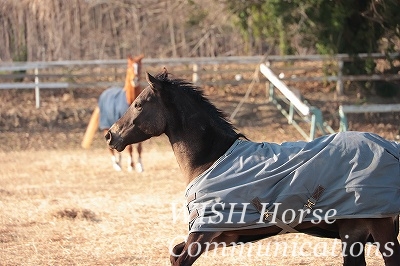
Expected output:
{"points": [[91, 128]]}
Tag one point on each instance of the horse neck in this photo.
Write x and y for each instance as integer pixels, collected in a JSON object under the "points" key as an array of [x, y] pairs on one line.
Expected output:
{"points": [[197, 147]]}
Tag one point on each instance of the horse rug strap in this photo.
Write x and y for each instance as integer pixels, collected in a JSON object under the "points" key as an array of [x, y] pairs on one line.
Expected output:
{"points": [[332, 176], [288, 228]]}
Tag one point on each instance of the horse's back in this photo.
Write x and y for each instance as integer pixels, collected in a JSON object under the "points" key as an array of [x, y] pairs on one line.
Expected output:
{"points": [[113, 104], [348, 168]]}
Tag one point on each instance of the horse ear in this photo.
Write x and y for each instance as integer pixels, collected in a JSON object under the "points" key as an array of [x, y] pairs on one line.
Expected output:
{"points": [[140, 57], [130, 60], [164, 74], [153, 82]]}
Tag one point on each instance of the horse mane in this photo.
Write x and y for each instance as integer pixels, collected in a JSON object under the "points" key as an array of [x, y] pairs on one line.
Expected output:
{"points": [[176, 88]]}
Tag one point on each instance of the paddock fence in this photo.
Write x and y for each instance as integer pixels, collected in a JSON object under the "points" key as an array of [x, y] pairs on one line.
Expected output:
{"points": [[290, 100], [215, 71], [106, 73]]}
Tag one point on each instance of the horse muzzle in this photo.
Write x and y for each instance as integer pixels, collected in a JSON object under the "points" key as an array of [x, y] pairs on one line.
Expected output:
{"points": [[114, 141]]}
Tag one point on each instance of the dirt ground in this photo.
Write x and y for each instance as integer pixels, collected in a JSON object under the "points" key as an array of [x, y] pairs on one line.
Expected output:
{"points": [[63, 205]]}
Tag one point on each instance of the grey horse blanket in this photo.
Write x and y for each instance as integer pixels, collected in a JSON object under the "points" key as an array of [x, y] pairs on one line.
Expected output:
{"points": [[113, 104], [343, 175]]}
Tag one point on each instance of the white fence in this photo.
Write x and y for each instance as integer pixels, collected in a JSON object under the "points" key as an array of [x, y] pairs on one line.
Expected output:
{"points": [[311, 113], [367, 108], [74, 74], [52, 75], [307, 112]]}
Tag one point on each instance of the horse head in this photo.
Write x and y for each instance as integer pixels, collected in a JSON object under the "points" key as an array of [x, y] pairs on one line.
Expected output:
{"points": [[145, 118], [132, 80], [133, 70]]}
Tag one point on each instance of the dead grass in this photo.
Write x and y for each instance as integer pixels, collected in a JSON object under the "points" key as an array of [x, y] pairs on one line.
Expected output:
{"points": [[61, 205], [68, 207]]}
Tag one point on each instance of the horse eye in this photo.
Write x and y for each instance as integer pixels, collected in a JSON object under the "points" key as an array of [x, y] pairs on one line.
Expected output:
{"points": [[138, 106]]}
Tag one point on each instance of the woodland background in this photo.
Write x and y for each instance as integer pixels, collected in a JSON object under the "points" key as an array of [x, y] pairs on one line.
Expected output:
{"points": [[101, 29], [63, 205], [48, 30], [42, 30]]}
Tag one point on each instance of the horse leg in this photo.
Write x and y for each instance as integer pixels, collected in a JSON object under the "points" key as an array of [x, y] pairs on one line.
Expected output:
{"points": [[130, 159], [385, 235], [354, 234], [116, 160], [186, 253], [139, 166]]}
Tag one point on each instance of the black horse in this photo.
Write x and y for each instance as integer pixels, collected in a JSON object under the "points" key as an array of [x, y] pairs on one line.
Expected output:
{"points": [[235, 186]]}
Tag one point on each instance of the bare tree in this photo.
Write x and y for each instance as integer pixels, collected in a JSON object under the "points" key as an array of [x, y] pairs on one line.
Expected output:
{"points": [[100, 29]]}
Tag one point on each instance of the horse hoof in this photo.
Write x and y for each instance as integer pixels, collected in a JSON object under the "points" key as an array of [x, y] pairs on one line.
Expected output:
{"points": [[130, 168], [117, 167], [139, 168]]}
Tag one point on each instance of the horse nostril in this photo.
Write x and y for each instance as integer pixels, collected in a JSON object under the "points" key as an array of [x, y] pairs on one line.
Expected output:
{"points": [[108, 136]]}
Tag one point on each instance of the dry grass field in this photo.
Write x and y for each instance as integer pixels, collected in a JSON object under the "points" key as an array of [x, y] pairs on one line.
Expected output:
{"points": [[62, 205], [69, 207]]}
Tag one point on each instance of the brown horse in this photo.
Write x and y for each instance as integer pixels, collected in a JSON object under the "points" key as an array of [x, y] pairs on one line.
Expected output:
{"points": [[114, 102], [235, 186]]}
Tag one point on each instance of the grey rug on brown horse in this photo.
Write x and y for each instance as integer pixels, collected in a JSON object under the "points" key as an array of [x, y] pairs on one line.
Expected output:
{"points": [[345, 175], [237, 188]]}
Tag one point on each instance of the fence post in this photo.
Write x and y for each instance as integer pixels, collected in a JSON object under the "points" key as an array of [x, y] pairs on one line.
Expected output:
{"points": [[313, 126], [195, 76], [344, 125], [271, 91], [339, 82], [291, 113], [37, 92]]}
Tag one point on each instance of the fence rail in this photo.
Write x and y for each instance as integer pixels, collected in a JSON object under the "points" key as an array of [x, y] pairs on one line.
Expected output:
{"points": [[69, 74], [307, 112], [367, 108], [202, 70]]}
